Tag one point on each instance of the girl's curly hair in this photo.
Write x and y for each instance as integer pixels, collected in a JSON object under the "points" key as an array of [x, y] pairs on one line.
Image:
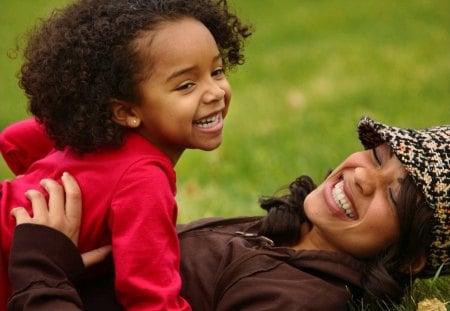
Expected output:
{"points": [[84, 55]]}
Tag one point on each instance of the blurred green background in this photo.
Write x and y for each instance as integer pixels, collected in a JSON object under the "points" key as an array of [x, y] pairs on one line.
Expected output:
{"points": [[312, 69]]}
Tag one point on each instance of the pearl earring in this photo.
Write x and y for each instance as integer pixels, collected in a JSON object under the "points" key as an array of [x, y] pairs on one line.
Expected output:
{"points": [[133, 122]]}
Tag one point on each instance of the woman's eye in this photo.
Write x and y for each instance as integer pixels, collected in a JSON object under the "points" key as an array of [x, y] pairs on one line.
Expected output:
{"points": [[391, 197], [375, 156]]}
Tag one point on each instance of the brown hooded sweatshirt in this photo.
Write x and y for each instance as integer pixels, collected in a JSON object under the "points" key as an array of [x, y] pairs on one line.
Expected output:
{"points": [[225, 265]]}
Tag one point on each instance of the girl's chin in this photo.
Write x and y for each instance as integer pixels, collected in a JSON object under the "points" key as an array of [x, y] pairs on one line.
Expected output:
{"points": [[211, 145]]}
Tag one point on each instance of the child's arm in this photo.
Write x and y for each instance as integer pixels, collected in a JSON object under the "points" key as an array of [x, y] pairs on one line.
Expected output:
{"points": [[23, 143], [145, 243]]}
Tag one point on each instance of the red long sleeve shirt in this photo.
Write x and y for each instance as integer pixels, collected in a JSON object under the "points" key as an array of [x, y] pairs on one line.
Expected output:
{"points": [[128, 200]]}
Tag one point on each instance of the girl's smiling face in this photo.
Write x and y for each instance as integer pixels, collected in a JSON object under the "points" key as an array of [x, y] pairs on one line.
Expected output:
{"points": [[183, 102], [354, 210]]}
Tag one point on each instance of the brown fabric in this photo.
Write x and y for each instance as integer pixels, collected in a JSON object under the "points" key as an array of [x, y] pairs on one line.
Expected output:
{"points": [[245, 272], [224, 266], [44, 268], [40, 264]]}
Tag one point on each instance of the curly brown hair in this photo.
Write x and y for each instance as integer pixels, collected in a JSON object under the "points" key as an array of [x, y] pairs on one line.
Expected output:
{"points": [[83, 56]]}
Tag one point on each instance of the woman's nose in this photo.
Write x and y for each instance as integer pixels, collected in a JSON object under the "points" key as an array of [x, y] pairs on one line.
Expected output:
{"points": [[365, 180]]}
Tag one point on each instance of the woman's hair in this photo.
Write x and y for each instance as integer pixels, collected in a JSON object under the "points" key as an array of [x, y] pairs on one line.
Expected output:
{"points": [[285, 213], [86, 54], [386, 276]]}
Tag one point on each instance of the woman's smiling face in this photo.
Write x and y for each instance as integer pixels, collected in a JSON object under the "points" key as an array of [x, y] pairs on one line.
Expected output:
{"points": [[354, 210]]}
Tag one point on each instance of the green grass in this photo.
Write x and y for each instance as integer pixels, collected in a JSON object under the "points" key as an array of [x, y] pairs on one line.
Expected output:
{"points": [[421, 290], [313, 68]]}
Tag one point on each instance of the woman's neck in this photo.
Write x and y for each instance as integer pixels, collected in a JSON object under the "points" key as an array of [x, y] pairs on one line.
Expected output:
{"points": [[312, 240]]}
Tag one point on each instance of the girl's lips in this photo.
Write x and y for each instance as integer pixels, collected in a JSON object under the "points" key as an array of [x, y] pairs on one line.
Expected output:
{"points": [[211, 123]]}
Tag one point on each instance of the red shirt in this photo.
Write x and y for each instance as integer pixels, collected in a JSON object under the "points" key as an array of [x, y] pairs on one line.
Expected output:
{"points": [[128, 200]]}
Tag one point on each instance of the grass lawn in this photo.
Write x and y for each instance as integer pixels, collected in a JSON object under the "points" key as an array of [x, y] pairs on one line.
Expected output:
{"points": [[313, 69]]}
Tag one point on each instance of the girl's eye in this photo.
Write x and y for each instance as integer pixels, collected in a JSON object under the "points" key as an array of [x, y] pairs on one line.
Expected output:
{"points": [[375, 156], [218, 72], [185, 86]]}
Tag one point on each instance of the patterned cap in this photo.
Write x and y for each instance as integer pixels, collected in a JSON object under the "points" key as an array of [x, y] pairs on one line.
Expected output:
{"points": [[426, 156]]}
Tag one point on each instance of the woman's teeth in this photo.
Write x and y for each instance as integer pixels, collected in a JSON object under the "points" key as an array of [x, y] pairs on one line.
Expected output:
{"points": [[209, 122], [341, 200]]}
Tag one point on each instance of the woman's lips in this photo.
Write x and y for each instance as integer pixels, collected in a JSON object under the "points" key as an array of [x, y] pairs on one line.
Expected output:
{"points": [[338, 200], [341, 200]]}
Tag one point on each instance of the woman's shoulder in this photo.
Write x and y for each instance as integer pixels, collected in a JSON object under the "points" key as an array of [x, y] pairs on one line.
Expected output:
{"points": [[293, 279], [237, 265]]}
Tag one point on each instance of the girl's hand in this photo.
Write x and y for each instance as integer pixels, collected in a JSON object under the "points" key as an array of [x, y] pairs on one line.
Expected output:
{"points": [[62, 213]]}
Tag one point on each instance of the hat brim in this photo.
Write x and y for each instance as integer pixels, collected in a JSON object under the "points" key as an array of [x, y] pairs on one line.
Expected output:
{"points": [[425, 154], [405, 143]]}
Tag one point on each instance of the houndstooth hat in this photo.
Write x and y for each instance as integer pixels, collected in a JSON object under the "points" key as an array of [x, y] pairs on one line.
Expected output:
{"points": [[426, 156]]}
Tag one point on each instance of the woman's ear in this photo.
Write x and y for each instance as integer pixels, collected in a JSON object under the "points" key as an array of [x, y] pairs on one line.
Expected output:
{"points": [[124, 114], [415, 267]]}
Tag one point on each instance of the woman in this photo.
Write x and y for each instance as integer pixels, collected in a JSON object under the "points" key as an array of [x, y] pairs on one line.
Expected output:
{"points": [[378, 220]]}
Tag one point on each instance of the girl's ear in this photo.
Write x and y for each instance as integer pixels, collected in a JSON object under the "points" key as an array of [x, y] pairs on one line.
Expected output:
{"points": [[124, 114], [415, 267]]}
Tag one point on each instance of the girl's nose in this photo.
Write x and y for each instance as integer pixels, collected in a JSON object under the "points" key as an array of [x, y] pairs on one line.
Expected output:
{"points": [[213, 93]]}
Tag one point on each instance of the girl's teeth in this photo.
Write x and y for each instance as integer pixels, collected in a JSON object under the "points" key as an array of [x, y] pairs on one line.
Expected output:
{"points": [[341, 200], [209, 122]]}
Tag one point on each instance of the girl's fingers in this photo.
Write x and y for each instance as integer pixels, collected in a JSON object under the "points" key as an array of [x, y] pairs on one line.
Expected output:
{"points": [[73, 199], [21, 215], [95, 256]]}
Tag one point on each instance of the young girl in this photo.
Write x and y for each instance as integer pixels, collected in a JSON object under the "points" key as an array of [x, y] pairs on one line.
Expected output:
{"points": [[379, 220], [123, 88]]}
